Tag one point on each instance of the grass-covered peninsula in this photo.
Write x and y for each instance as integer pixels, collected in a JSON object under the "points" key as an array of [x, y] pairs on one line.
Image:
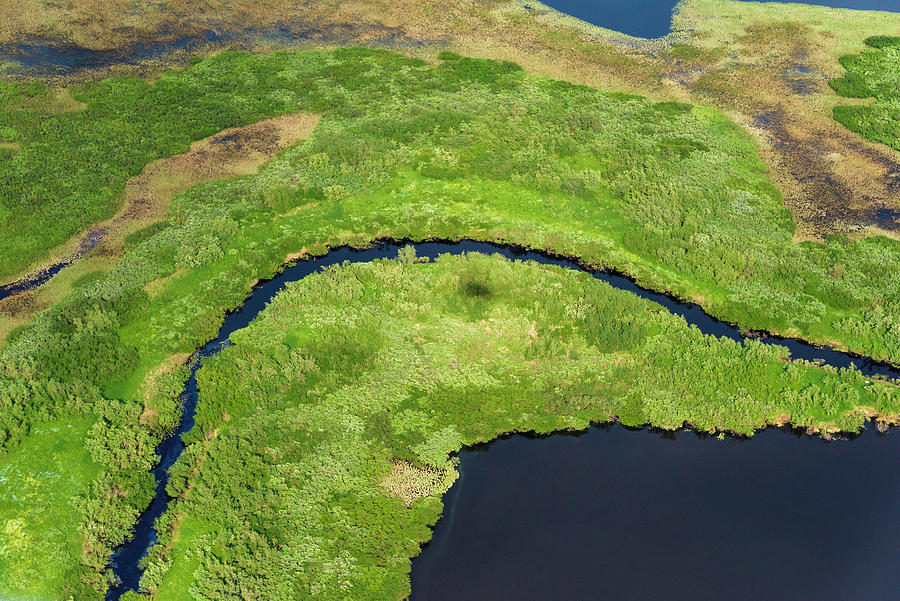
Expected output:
{"points": [[674, 194], [321, 446]]}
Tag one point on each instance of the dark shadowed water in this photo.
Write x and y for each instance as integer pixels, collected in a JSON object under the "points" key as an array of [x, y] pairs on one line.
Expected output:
{"points": [[623, 515], [126, 560]]}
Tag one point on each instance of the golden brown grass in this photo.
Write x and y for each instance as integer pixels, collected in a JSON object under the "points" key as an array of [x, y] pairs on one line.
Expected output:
{"points": [[409, 482], [230, 153]]}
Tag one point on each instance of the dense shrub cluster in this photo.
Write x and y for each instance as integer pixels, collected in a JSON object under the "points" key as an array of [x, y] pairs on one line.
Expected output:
{"points": [[874, 72]]}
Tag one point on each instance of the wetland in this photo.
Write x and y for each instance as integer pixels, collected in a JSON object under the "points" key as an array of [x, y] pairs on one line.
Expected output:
{"points": [[722, 203]]}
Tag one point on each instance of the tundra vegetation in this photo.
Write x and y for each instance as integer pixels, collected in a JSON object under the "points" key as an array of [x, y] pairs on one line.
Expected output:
{"points": [[673, 194], [232, 152], [873, 73], [766, 65], [323, 435]]}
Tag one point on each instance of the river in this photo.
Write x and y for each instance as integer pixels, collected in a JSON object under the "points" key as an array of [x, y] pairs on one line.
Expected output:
{"points": [[127, 558]]}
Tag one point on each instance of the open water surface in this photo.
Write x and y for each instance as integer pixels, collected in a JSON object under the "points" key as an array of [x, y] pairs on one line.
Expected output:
{"points": [[640, 18], [653, 18], [623, 515], [126, 560]]}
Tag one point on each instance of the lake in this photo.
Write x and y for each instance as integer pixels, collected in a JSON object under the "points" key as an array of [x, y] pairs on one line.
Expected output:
{"points": [[616, 514], [653, 18]]}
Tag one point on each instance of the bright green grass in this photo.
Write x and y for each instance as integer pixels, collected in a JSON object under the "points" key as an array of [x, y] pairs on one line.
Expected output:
{"points": [[874, 72], [350, 372], [39, 539]]}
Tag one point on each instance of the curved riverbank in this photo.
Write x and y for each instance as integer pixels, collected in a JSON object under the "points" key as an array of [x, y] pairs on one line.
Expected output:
{"points": [[126, 559]]}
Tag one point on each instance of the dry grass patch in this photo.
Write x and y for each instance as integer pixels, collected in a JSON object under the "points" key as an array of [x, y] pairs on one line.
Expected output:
{"points": [[408, 482], [230, 153]]}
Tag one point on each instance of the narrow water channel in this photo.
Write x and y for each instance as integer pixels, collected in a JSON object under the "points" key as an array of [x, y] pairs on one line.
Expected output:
{"points": [[126, 560], [35, 280]]}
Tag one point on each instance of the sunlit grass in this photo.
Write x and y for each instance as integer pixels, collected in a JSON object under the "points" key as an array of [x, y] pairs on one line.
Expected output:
{"points": [[39, 538]]}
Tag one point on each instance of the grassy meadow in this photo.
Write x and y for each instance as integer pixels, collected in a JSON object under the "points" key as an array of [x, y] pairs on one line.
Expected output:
{"points": [[40, 482]]}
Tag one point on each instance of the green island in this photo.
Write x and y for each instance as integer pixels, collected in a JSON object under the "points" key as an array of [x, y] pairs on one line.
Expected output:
{"points": [[333, 415], [874, 72]]}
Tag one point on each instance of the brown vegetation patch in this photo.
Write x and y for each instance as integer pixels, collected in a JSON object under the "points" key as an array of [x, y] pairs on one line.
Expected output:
{"points": [[17, 304], [232, 152], [297, 255], [167, 367], [409, 482]]}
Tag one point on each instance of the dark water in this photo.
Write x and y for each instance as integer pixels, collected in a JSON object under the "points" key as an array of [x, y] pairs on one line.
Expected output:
{"points": [[640, 18], [622, 515], [42, 277], [126, 560], [887, 217], [45, 57], [653, 18]]}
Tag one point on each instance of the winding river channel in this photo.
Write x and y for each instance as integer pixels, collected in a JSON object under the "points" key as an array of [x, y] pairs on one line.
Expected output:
{"points": [[711, 472]]}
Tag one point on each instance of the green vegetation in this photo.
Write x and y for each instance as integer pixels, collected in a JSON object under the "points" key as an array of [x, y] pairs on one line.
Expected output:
{"points": [[671, 193], [72, 166], [352, 376], [37, 484], [874, 72]]}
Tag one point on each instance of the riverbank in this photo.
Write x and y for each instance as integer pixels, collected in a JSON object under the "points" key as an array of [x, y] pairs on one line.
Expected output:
{"points": [[470, 331]]}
